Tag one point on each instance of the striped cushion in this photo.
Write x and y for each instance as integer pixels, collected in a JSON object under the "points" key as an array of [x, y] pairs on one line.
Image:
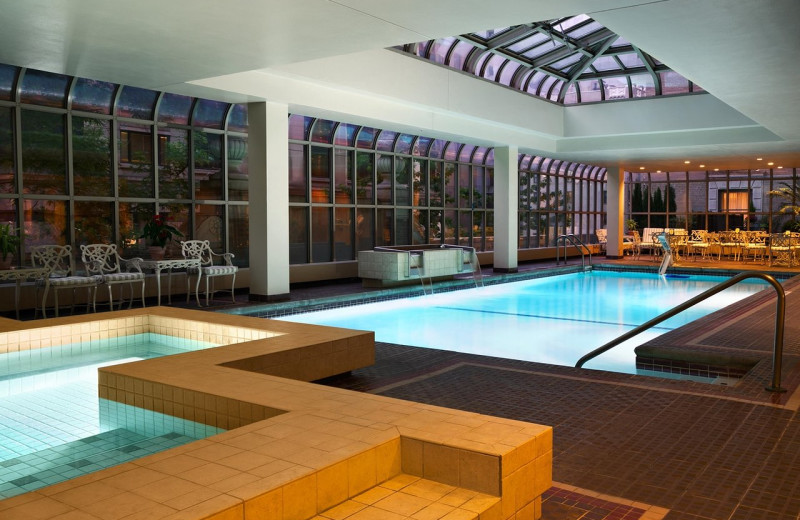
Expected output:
{"points": [[216, 270], [122, 277], [76, 281]]}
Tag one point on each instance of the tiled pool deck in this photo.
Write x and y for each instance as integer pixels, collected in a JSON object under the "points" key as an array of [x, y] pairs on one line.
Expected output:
{"points": [[629, 447]]}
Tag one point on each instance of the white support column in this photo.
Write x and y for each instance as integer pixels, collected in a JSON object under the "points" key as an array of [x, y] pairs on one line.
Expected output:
{"points": [[615, 207], [268, 160], [506, 197]]}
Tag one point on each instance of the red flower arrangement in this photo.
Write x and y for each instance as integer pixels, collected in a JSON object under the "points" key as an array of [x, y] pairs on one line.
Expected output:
{"points": [[158, 232]]}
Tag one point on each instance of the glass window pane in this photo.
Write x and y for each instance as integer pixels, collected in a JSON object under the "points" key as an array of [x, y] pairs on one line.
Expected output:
{"points": [[436, 150], [439, 48], [343, 172], [93, 96], [420, 179], [238, 172], [322, 131], [132, 218], [450, 226], [237, 119], [366, 137], [402, 181], [345, 134], [386, 141], [464, 199], [404, 143], [175, 109], [605, 63], [8, 215], [402, 227], [298, 127], [383, 171], [135, 169], [571, 97], [528, 42], [45, 222], [435, 226], [465, 228], [320, 174], [492, 66], [489, 188], [209, 221], [343, 235], [93, 224], [7, 169], [239, 234], [43, 153], [321, 234], [297, 173], [450, 185], [459, 55], [631, 60], [451, 152], [466, 153], [91, 157], [208, 173], [437, 183], [364, 180], [478, 186], [616, 88], [8, 78], [298, 235], [209, 114], [673, 83], [173, 164], [365, 229], [421, 146], [136, 102], [643, 85], [44, 88], [385, 227]]}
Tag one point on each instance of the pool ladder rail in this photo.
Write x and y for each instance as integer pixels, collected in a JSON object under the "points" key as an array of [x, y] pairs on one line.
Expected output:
{"points": [[780, 313], [426, 281], [577, 243]]}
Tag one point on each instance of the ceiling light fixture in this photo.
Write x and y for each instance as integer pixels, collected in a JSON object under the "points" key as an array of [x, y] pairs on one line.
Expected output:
{"points": [[770, 163], [687, 162], [758, 158], [702, 165], [641, 167], [716, 169]]}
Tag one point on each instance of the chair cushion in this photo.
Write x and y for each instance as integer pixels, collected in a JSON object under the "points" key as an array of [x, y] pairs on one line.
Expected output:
{"points": [[122, 277], [75, 281], [217, 270]]}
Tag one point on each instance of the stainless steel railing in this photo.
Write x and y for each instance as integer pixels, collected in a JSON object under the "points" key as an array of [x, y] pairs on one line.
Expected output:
{"points": [[575, 242], [780, 313]]}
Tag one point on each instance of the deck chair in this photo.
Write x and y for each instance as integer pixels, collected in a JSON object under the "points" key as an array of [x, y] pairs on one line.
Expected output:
{"points": [[602, 237], [103, 260], [201, 250], [58, 260]]}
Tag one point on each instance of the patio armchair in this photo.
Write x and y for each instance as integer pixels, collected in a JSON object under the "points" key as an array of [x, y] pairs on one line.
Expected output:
{"points": [[698, 243], [755, 244], [201, 250], [602, 237], [783, 248], [60, 265], [633, 244], [104, 261]]}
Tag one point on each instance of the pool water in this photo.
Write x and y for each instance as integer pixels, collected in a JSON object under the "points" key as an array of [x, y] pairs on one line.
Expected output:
{"points": [[553, 320], [53, 427]]}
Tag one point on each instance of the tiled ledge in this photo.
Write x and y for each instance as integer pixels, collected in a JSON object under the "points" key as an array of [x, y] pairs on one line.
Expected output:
{"points": [[294, 439]]}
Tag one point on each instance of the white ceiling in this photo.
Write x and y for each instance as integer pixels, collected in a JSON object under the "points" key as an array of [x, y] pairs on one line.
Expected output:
{"points": [[741, 51]]}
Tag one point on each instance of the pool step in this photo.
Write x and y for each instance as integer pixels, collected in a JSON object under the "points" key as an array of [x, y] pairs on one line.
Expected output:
{"points": [[72, 459]]}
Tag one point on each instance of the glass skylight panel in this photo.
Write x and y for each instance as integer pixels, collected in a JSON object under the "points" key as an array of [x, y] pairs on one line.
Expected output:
{"points": [[566, 63], [566, 25], [493, 66], [555, 90], [585, 30], [605, 63], [420, 49], [459, 55], [620, 42], [136, 102], [590, 91], [616, 88], [451, 152], [421, 146], [439, 48], [322, 131], [208, 113], [507, 74], [466, 153], [237, 119], [548, 46], [571, 97], [631, 60], [344, 134], [522, 79], [536, 80], [527, 43], [299, 126], [673, 83], [436, 149], [491, 33], [545, 86], [404, 144]]}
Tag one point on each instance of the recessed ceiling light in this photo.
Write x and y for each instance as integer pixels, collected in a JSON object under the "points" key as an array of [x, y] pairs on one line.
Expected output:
{"points": [[770, 163], [758, 158], [658, 171], [780, 166], [687, 162], [716, 169], [641, 167], [702, 165]]}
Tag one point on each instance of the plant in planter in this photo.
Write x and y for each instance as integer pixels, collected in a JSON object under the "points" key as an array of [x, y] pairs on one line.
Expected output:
{"points": [[157, 233], [9, 243], [631, 225]]}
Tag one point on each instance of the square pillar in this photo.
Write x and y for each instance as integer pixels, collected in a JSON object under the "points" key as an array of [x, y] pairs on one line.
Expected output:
{"points": [[268, 159], [506, 203], [615, 184]]}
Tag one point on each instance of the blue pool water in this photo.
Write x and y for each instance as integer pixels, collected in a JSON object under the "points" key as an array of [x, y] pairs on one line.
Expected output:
{"points": [[53, 427], [553, 320]]}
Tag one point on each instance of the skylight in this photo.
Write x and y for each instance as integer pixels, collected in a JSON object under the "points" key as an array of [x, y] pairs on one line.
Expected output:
{"points": [[568, 61]]}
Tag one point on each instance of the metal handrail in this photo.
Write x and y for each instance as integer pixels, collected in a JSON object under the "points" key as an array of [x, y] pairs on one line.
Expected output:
{"points": [[780, 312], [576, 242]]}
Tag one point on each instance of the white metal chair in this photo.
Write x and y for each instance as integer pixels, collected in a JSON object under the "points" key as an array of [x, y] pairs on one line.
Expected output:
{"points": [[58, 260], [103, 260], [201, 250]]}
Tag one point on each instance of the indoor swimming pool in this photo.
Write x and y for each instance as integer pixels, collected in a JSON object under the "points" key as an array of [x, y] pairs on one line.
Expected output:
{"points": [[553, 320], [53, 427]]}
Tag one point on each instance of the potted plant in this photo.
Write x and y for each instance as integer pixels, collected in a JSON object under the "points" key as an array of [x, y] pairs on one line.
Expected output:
{"points": [[158, 233], [631, 225], [9, 244]]}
